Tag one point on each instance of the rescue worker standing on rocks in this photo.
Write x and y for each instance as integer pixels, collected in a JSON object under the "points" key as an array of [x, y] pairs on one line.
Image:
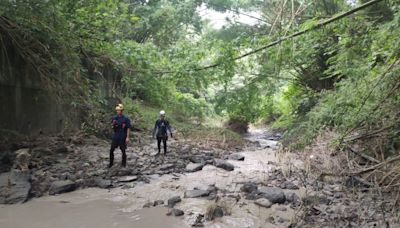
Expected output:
{"points": [[160, 131], [121, 126]]}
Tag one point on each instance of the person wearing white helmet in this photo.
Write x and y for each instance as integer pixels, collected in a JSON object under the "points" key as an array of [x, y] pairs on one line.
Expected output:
{"points": [[161, 129]]}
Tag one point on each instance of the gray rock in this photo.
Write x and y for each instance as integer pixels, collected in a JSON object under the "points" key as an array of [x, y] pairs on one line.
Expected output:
{"points": [[212, 188], [282, 220], [117, 171], [214, 212], [59, 187], [196, 220], [262, 202], [275, 195], [338, 195], [128, 185], [315, 199], [281, 208], [66, 176], [197, 159], [177, 212], [223, 164], [218, 212], [292, 197], [252, 196], [193, 167], [167, 166], [210, 162], [249, 187], [127, 179], [102, 183], [174, 200], [148, 204], [22, 159], [15, 186], [237, 157], [196, 193], [289, 185], [158, 202]]}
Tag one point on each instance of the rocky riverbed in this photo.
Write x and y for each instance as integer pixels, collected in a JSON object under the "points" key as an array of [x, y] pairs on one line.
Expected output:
{"points": [[194, 185]]}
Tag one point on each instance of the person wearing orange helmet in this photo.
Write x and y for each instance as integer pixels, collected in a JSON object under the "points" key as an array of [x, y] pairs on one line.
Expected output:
{"points": [[121, 126]]}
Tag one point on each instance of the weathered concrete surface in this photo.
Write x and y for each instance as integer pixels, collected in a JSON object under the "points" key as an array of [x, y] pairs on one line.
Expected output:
{"points": [[27, 107]]}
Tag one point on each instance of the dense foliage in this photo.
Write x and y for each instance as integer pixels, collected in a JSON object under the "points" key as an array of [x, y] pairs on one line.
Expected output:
{"points": [[341, 76]]}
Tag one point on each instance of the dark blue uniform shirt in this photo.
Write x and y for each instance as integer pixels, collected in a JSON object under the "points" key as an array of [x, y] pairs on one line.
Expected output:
{"points": [[120, 125], [161, 128]]}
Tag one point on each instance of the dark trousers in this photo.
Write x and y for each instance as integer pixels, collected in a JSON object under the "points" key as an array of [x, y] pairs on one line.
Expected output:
{"points": [[164, 140], [122, 145]]}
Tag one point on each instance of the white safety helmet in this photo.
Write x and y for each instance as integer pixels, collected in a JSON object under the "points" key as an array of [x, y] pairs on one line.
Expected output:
{"points": [[162, 113]]}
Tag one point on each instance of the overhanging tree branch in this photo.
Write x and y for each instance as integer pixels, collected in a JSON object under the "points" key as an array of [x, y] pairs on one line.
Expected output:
{"points": [[280, 40]]}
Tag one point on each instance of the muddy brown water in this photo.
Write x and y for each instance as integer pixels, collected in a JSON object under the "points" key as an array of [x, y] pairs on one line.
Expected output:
{"points": [[81, 209], [124, 207]]}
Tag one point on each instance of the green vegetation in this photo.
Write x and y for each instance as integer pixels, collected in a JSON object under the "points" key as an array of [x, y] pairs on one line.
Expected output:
{"points": [[160, 54]]}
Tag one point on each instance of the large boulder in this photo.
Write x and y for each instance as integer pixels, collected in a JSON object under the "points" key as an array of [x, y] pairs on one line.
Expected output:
{"points": [[59, 187], [15, 186], [274, 195], [196, 193], [223, 164], [193, 167]]}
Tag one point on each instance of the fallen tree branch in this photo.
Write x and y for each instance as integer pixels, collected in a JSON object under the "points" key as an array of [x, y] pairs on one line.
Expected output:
{"points": [[376, 166], [368, 135], [362, 181], [366, 157]]}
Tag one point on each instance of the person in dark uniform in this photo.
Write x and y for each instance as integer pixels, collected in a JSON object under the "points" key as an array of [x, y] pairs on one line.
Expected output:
{"points": [[160, 132], [121, 126]]}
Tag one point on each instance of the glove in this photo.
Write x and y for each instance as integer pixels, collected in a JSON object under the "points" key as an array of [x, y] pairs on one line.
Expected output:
{"points": [[116, 124]]}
